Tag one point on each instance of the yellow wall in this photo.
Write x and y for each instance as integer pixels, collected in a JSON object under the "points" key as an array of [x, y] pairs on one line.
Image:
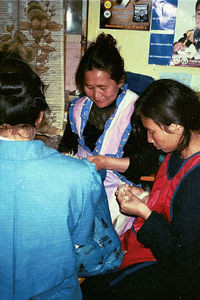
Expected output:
{"points": [[134, 46]]}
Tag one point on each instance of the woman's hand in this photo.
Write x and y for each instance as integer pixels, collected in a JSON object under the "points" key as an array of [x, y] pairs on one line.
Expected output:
{"points": [[134, 189], [134, 206], [99, 161], [140, 193]]}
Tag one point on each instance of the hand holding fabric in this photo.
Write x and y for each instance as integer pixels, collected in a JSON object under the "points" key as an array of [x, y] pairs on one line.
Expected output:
{"points": [[130, 204]]}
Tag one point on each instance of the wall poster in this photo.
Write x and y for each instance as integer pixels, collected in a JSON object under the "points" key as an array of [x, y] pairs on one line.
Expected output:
{"points": [[125, 14], [186, 50], [175, 33]]}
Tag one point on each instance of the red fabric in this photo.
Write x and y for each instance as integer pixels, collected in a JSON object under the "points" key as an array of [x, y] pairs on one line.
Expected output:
{"points": [[159, 201]]}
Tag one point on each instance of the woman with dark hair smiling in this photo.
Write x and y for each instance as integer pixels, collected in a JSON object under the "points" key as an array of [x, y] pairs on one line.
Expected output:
{"points": [[99, 126]]}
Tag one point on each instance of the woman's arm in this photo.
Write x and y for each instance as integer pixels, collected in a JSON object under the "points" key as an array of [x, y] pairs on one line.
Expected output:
{"points": [[140, 158], [110, 163]]}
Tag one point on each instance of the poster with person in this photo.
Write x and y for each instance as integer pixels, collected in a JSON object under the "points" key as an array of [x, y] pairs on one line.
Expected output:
{"points": [[175, 33], [186, 48]]}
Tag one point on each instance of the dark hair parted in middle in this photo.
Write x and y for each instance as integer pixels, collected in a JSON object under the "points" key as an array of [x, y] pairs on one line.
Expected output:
{"points": [[103, 55], [167, 101], [21, 92]]}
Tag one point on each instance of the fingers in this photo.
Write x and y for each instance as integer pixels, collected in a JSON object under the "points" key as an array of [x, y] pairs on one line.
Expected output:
{"points": [[136, 190], [91, 158], [145, 199]]}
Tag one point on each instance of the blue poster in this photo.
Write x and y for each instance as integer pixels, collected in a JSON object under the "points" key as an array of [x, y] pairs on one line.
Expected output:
{"points": [[161, 49], [164, 14]]}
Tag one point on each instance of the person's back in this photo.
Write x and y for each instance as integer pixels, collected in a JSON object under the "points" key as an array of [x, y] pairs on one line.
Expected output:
{"points": [[43, 215], [47, 205]]}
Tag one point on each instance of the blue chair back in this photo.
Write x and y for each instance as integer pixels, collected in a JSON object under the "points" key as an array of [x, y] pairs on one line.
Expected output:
{"points": [[137, 82]]}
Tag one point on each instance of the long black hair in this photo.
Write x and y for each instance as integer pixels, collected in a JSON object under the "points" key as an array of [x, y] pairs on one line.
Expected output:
{"points": [[167, 101]]}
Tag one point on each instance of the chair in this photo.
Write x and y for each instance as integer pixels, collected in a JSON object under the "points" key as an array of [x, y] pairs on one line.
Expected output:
{"points": [[137, 82]]}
